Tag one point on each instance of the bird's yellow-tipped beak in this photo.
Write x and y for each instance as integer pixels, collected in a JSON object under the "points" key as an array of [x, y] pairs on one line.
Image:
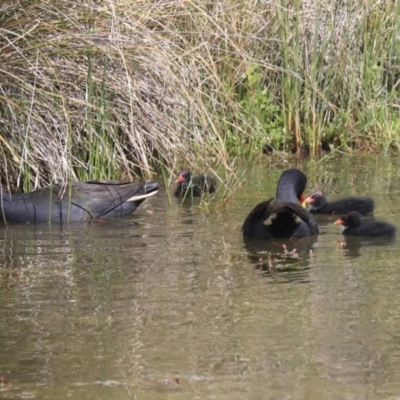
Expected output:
{"points": [[303, 200]]}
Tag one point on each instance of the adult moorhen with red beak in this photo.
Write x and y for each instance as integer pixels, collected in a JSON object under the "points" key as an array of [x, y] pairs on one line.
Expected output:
{"points": [[76, 201], [282, 216], [320, 204], [193, 186], [355, 226]]}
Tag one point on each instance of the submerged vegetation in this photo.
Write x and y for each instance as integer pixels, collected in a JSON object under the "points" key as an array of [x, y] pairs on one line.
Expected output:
{"points": [[113, 89]]}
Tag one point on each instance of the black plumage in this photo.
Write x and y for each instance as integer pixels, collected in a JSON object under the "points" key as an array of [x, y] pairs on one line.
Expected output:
{"points": [[76, 201], [354, 225], [320, 204], [282, 216], [193, 186]]}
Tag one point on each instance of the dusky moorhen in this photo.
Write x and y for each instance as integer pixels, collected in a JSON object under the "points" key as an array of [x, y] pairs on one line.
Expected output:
{"points": [[320, 204], [282, 216], [355, 226], [76, 201], [193, 186]]}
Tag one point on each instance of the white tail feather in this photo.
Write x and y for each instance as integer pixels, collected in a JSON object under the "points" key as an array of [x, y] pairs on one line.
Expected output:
{"points": [[142, 196], [270, 219]]}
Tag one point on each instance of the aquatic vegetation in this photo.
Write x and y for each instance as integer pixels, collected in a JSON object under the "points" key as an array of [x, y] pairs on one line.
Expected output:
{"points": [[142, 88]]}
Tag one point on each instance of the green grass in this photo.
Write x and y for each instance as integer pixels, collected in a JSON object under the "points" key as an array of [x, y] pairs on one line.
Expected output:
{"points": [[140, 88]]}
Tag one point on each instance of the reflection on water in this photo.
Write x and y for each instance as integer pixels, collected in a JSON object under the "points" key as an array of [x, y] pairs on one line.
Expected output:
{"points": [[282, 260], [352, 245], [171, 302]]}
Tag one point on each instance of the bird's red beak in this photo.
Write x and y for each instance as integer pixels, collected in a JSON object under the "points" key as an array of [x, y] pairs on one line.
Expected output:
{"points": [[308, 200], [339, 222], [302, 199], [180, 179]]}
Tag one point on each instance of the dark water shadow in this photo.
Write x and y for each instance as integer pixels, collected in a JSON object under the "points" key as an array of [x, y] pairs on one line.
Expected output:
{"points": [[283, 260], [351, 246]]}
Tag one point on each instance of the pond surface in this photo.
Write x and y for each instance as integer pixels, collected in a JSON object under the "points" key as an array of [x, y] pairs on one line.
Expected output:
{"points": [[169, 303]]}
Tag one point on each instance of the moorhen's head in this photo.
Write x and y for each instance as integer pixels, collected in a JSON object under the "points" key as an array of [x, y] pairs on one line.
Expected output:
{"points": [[349, 220], [317, 199], [183, 176], [291, 180]]}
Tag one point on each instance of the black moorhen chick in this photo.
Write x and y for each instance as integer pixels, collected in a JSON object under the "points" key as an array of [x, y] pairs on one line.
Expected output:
{"points": [[76, 201], [282, 217], [320, 205], [188, 186], [355, 226]]}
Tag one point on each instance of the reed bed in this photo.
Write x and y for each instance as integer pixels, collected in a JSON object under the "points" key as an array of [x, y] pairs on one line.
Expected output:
{"points": [[117, 89]]}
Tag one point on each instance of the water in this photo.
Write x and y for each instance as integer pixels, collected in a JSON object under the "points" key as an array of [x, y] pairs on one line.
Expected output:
{"points": [[170, 303]]}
